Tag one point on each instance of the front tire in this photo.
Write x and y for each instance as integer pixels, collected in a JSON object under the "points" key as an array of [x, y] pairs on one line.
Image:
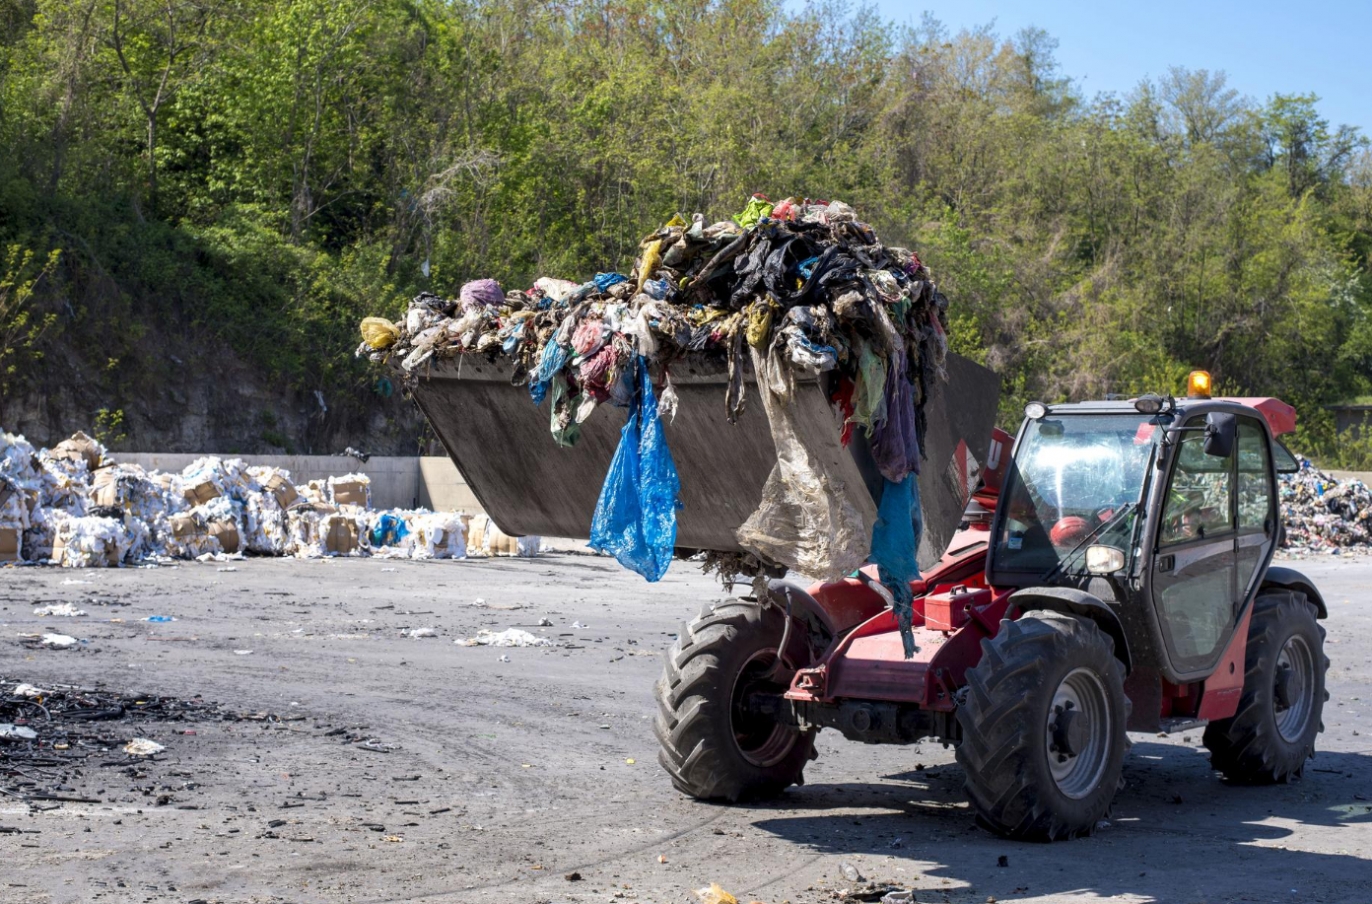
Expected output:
{"points": [[1272, 733], [713, 747], [1043, 728]]}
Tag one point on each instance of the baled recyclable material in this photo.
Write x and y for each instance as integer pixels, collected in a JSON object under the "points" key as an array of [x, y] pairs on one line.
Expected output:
{"points": [[55, 508], [485, 539], [79, 448], [341, 535], [280, 486], [390, 534], [90, 542], [439, 535], [307, 524], [200, 492], [320, 529], [351, 489]]}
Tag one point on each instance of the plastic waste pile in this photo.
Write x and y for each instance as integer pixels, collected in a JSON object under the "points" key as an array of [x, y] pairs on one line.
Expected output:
{"points": [[73, 505], [782, 290], [1323, 514]]}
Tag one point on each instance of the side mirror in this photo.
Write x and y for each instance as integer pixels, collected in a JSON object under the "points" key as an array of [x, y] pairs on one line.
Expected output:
{"points": [[1220, 431]]}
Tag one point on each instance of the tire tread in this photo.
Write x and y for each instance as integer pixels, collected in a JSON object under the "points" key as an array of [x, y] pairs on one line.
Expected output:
{"points": [[998, 714]]}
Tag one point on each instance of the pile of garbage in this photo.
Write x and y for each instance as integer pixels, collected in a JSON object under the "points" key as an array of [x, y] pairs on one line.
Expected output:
{"points": [[797, 288], [74, 506], [1323, 514]]}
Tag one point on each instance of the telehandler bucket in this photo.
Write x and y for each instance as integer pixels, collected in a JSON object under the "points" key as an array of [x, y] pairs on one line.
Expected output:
{"points": [[500, 442]]}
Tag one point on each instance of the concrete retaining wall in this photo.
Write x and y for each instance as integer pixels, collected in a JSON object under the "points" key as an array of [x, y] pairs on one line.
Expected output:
{"points": [[397, 482]]}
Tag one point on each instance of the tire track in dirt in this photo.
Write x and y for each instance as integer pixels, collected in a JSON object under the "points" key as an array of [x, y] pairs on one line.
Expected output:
{"points": [[557, 870]]}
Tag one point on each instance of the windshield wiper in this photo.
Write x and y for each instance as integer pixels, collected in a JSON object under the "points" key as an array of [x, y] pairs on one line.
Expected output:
{"points": [[1100, 529]]}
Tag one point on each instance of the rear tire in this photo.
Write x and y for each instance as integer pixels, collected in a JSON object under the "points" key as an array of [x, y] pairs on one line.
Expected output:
{"points": [[711, 747], [1273, 732], [1034, 774]]}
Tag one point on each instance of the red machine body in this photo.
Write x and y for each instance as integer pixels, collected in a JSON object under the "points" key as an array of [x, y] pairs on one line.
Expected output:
{"points": [[955, 609]]}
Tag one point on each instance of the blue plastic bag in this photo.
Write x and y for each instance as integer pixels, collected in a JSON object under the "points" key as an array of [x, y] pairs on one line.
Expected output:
{"points": [[635, 519], [895, 540], [389, 530], [603, 281], [550, 364]]}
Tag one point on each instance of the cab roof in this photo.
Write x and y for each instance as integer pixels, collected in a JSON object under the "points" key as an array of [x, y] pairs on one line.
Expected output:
{"points": [[1280, 417]]}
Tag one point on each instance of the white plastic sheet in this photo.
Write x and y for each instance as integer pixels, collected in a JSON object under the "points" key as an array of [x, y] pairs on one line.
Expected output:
{"points": [[806, 519]]}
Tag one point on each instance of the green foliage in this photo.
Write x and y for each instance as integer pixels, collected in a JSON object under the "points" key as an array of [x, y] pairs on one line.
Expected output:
{"points": [[262, 175], [109, 427], [20, 331]]}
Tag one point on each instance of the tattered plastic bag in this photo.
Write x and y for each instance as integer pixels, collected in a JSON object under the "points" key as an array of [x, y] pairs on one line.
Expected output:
{"points": [[379, 333], [635, 518], [894, 541], [806, 520]]}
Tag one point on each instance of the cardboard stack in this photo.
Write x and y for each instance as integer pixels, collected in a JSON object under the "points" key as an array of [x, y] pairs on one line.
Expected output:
{"points": [[351, 489], [440, 535], [90, 542], [320, 529], [485, 539]]}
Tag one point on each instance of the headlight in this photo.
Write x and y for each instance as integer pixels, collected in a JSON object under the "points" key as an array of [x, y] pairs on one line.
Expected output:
{"points": [[1148, 403], [1035, 410], [1104, 559]]}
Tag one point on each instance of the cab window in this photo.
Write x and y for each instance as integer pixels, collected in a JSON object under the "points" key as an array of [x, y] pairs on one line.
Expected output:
{"points": [[1194, 575], [1255, 490], [1200, 497]]}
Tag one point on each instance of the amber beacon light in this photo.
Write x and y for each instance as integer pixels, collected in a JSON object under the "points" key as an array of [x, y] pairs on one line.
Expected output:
{"points": [[1198, 385]]}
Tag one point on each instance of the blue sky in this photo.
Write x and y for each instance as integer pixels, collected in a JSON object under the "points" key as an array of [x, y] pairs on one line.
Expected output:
{"points": [[1264, 47]]}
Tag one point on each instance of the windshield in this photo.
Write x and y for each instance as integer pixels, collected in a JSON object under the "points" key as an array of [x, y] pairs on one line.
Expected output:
{"points": [[1073, 474]]}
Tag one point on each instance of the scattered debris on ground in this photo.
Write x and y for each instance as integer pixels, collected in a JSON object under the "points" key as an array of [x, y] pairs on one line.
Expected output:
{"points": [[54, 739], [511, 637]]}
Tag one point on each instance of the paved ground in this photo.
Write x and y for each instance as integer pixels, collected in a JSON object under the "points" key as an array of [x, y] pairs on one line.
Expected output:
{"points": [[494, 780]]}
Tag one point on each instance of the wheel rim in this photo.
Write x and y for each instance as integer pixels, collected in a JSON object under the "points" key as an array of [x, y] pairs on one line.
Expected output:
{"points": [[1293, 695], [762, 741], [1079, 732]]}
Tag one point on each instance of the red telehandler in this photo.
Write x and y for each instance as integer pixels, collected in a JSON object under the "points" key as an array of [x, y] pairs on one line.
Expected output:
{"points": [[1107, 570], [1115, 576]]}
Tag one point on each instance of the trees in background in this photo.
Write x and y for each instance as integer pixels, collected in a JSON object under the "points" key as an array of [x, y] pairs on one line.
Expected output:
{"points": [[264, 172]]}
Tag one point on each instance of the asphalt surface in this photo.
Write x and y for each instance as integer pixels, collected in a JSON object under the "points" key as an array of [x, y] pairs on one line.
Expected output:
{"points": [[362, 764]]}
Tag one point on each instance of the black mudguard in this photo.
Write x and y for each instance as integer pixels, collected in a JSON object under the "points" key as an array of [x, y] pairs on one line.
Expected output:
{"points": [[1071, 601], [1291, 579]]}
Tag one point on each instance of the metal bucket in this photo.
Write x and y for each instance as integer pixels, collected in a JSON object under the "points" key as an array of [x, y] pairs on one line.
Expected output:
{"points": [[501, 444]]}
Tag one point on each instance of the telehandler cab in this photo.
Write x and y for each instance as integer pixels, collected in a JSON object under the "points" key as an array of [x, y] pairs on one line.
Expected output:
{"points": [[1113, 573]]}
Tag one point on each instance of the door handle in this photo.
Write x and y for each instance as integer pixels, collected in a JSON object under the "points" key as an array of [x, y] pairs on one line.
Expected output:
{"points": [[1165, 563]]}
